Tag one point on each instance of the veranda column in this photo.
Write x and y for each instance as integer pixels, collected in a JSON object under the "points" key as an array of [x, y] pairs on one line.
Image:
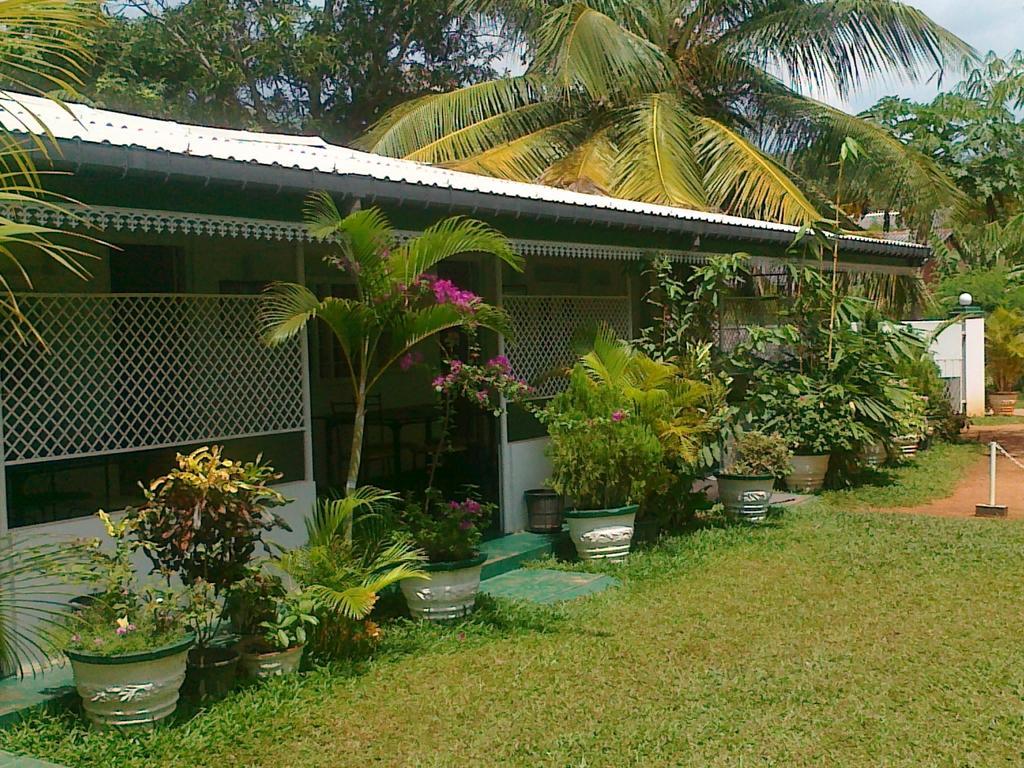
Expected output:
{"points": [[307, 411]]}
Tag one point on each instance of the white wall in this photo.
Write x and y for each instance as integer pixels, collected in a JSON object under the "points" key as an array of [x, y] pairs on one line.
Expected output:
{"points": [[948, 349], [525, 467], [302, 496]]}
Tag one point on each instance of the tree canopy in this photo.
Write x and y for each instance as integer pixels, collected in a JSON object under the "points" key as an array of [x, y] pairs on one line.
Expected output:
{"points": [[685, 104], [974, 131], [293, 65]]}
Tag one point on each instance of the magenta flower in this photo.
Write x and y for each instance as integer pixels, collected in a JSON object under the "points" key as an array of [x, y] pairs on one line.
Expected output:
{"points": [[409, 359], [618, 416], [456, 365], [500, 362], [121, 631], [446, 292], [465, 524], [472, 506], [438, 383]]}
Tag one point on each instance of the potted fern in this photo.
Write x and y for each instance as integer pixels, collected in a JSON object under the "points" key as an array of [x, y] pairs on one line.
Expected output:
{"points": [[1004, 358], [745, 486]]}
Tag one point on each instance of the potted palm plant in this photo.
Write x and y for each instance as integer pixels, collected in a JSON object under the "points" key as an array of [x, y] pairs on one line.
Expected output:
{"points": [[344, 574], [398, 303], [127, 646], [604, 460], [204, 521], [1004, 358], [745, 486]]}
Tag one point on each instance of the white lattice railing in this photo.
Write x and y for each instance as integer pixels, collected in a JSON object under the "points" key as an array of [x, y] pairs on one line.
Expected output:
{"points": [[544, 328], [133, 371]]}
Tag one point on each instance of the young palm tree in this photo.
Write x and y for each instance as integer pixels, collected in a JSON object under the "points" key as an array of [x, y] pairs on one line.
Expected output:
{"points": [[397, 304], [43, 49], [681, 103]]}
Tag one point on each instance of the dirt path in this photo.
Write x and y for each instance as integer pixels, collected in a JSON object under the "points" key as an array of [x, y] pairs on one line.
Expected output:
{"points": [[973, 487]]}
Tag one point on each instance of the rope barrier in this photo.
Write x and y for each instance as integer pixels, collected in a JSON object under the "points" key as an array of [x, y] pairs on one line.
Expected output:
{"points": [[1007, 454]]}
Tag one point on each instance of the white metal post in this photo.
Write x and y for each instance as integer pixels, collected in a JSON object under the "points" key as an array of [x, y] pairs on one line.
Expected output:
{"points": [[307, 408], [992, 474], [963, 364], [504, 468]]}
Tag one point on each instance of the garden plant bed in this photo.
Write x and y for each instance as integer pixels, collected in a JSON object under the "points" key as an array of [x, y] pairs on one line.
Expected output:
{"points": [[820, 637]]}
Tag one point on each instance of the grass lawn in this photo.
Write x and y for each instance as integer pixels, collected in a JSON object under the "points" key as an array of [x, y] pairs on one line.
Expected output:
{"points": [[825, 637]]}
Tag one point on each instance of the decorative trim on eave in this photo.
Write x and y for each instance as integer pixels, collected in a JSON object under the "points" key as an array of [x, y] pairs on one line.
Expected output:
{"points": [[115, 219]]}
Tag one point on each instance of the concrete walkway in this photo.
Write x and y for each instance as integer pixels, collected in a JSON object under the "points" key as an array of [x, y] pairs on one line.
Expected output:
{"points": [[973, 487]]}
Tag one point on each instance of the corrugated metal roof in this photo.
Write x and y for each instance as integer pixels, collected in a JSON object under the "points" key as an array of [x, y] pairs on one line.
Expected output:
{"points": [[78, 122]]}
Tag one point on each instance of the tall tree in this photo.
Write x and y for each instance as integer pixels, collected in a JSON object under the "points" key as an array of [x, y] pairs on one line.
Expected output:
{"points": [[685, 103], [329, 67], [974, 132]]}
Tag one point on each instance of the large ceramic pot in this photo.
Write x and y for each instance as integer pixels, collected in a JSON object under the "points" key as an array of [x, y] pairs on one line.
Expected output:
{"points": [[261, 664], [807, 472], [212, 673], [1002, 403], [907, 445], [746, 497], [543, 510], [449, 593], [602, 534], [874, 454], [130, 691]]}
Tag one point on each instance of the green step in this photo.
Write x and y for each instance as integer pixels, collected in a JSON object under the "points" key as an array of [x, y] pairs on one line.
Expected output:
{"points": [[8, 760], [507, 553], [543, 585]]}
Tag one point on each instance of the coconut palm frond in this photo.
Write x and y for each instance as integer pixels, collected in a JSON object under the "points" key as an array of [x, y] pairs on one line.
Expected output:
{"points": [[656, 159], [836, 44], [580, 47], [428, 119], [588, 168], [740, 178], [528, 157]]}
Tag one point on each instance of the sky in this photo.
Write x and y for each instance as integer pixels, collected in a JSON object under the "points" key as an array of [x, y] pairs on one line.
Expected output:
{"points": [[988, 25]]}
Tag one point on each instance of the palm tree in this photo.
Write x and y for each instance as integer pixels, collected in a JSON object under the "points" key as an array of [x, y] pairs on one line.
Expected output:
{"points": [[681, 103], [44, 50], [397, 305]]}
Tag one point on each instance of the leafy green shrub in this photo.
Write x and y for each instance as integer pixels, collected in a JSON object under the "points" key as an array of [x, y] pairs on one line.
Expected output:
{"points": [[602, 454], [756, 453]]}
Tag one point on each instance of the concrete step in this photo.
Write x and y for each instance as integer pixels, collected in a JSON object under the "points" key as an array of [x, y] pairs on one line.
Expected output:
{"points": [[507, 553], [544, 585]]}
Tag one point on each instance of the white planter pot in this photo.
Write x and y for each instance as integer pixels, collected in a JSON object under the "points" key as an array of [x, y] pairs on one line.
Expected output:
{"points": [[135, 690], [449, 593], [746, 497], [907, 445], [874, 455], [807, 473], [602, 534], [1002, 403], [272, 663]]}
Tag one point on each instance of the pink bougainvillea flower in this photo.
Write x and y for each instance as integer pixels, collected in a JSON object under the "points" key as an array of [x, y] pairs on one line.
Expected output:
{"points": [[500, 362], [409, 359], [465, 524]]}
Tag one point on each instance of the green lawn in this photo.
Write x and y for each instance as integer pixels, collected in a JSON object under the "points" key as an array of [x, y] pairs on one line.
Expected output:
{"points": [[825, 637]]}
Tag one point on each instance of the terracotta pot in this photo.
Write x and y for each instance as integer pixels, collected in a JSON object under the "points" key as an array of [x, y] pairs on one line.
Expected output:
{"points": [[602, 534], [807, 472], [136, 690], [746, 497], [266, 664], [1002, 403], [449, 593]]}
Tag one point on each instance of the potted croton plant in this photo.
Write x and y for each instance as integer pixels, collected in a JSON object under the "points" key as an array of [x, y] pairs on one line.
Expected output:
{"points": [[603, 460], [449, 532], [204, 521], [749, 473], [127, 644]]}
